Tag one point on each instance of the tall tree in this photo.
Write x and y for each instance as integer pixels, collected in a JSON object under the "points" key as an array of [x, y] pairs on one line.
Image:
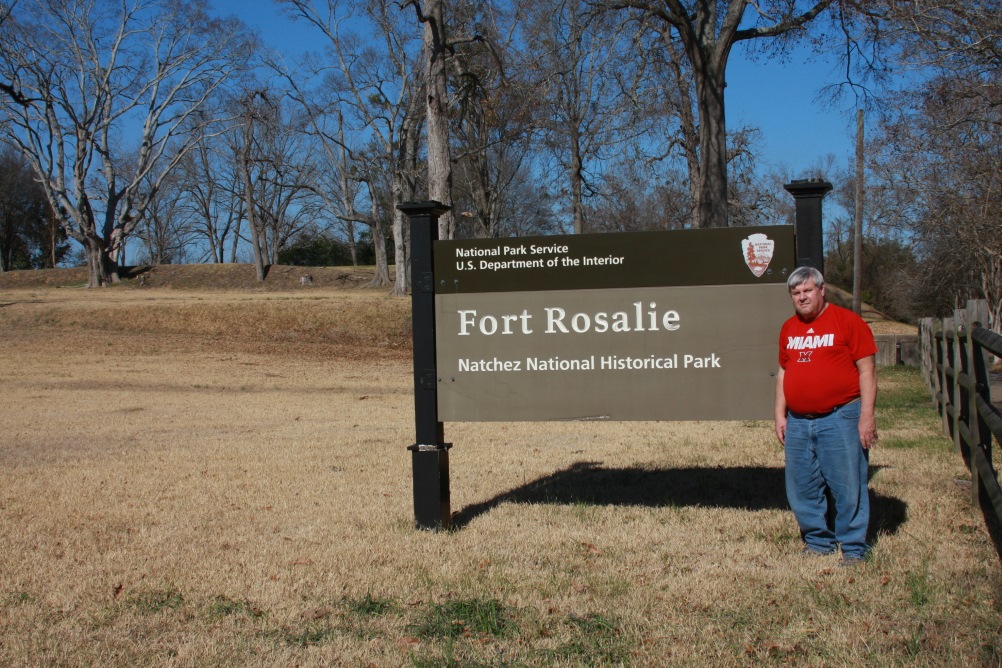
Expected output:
{"points": [[340, 177], [209, 178], [670, 108], [431, 14], [83, 78], [493, 124], [708, 31], [376, 84], [941, 147], [589, 91], [636, 194], [275, 162], [167, 228], [962, 38]]}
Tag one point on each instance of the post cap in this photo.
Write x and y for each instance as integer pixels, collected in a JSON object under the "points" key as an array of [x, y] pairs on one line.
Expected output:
{"points": [[808, 187], [430, 207]]}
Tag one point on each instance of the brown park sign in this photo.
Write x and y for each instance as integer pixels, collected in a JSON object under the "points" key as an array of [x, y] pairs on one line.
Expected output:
{"points": [[678, 325]]}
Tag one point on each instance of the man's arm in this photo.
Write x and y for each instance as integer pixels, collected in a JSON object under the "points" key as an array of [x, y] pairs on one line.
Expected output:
{"points": [[780, 413], [867, 397]]}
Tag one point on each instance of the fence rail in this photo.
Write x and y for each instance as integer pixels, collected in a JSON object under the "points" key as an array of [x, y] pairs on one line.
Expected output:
{"points": [[954, 354]]}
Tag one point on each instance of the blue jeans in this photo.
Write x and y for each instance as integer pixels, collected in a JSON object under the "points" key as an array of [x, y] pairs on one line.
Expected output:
{"points": [[826, 452]]}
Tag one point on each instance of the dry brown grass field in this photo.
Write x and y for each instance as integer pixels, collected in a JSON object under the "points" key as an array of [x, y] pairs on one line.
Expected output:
{"points": [[220, 478]]}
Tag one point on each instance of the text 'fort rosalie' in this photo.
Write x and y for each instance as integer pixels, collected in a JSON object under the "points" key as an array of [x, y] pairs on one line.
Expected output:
{"points": [[556, 321]]}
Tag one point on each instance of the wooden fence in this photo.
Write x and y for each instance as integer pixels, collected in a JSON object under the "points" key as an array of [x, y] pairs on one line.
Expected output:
{"points": [[955, 353]]}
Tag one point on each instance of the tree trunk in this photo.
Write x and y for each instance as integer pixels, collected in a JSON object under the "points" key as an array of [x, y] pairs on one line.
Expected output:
{"points": [[405, 190], [707, 30], [577, 180], [689, 129], [260, 266], [97, 275], [346, 202], [214, 246], [382, 274], [116, 256], [437, 103], [352, 248], [256, 232], [690, 145], [256, 229], [400, 279], [712, 205], [236, 242], [53, 227]]}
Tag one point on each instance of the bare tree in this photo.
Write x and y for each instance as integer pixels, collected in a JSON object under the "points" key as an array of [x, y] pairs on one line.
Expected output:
{"points": [[167, 227], [708, 31], [275, 163], [963, 38], [339, 180], [377, 85], [636, 194], [660, 128], [492, 178], [493, 124], [351, 176], [85, 74], [209, 179], [941, 148], [591, 91], [254, 114], [431, 14]]}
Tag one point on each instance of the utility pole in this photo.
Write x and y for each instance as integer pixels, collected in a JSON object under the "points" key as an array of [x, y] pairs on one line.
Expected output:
{"points": [[857, 223]]}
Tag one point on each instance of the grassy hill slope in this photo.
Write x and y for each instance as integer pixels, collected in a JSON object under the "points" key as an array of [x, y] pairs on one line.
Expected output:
{"points": [[326, 308]]}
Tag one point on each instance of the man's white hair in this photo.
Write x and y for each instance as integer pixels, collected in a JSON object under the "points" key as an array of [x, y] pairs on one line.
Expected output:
{"points": [[801, 275]]}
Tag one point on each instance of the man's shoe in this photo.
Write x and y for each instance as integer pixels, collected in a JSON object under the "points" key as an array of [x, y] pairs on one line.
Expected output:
{"points": [[851, 561], [812, 552]]}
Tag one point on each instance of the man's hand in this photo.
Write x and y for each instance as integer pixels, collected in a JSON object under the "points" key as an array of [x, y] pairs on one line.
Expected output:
{"points": [[868, 397], [781, 429], [867, 431], [779, 414]]}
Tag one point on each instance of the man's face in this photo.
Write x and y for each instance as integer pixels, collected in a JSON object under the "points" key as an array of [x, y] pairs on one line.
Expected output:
{"points": [[808, 299]]}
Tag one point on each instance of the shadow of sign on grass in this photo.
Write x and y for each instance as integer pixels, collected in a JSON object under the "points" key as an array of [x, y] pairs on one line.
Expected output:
{"points": [[741, 488]]}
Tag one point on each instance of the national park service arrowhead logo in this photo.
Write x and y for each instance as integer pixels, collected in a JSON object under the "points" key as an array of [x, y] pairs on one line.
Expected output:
{"points": [[758, 252]]}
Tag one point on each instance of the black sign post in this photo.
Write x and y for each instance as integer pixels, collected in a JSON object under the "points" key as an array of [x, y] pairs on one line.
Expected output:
{"points": [[808, 194], [429, 454]]}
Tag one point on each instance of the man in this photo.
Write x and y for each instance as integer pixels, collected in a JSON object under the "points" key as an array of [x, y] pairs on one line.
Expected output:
{"points": [[825, 393]]}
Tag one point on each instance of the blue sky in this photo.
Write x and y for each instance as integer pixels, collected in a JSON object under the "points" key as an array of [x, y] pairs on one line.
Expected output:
{"points": [[777, 97], [780, 99]]}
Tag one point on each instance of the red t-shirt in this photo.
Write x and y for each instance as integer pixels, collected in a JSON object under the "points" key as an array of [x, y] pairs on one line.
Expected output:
{"points": [[819, 359]]}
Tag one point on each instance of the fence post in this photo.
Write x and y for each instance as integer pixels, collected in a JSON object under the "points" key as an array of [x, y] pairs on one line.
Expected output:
{"points": [[926, 353], [933, 348], [923, 358], [964, 392], [981, 436], [942, 397], [429, 454], [956, 400]]}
